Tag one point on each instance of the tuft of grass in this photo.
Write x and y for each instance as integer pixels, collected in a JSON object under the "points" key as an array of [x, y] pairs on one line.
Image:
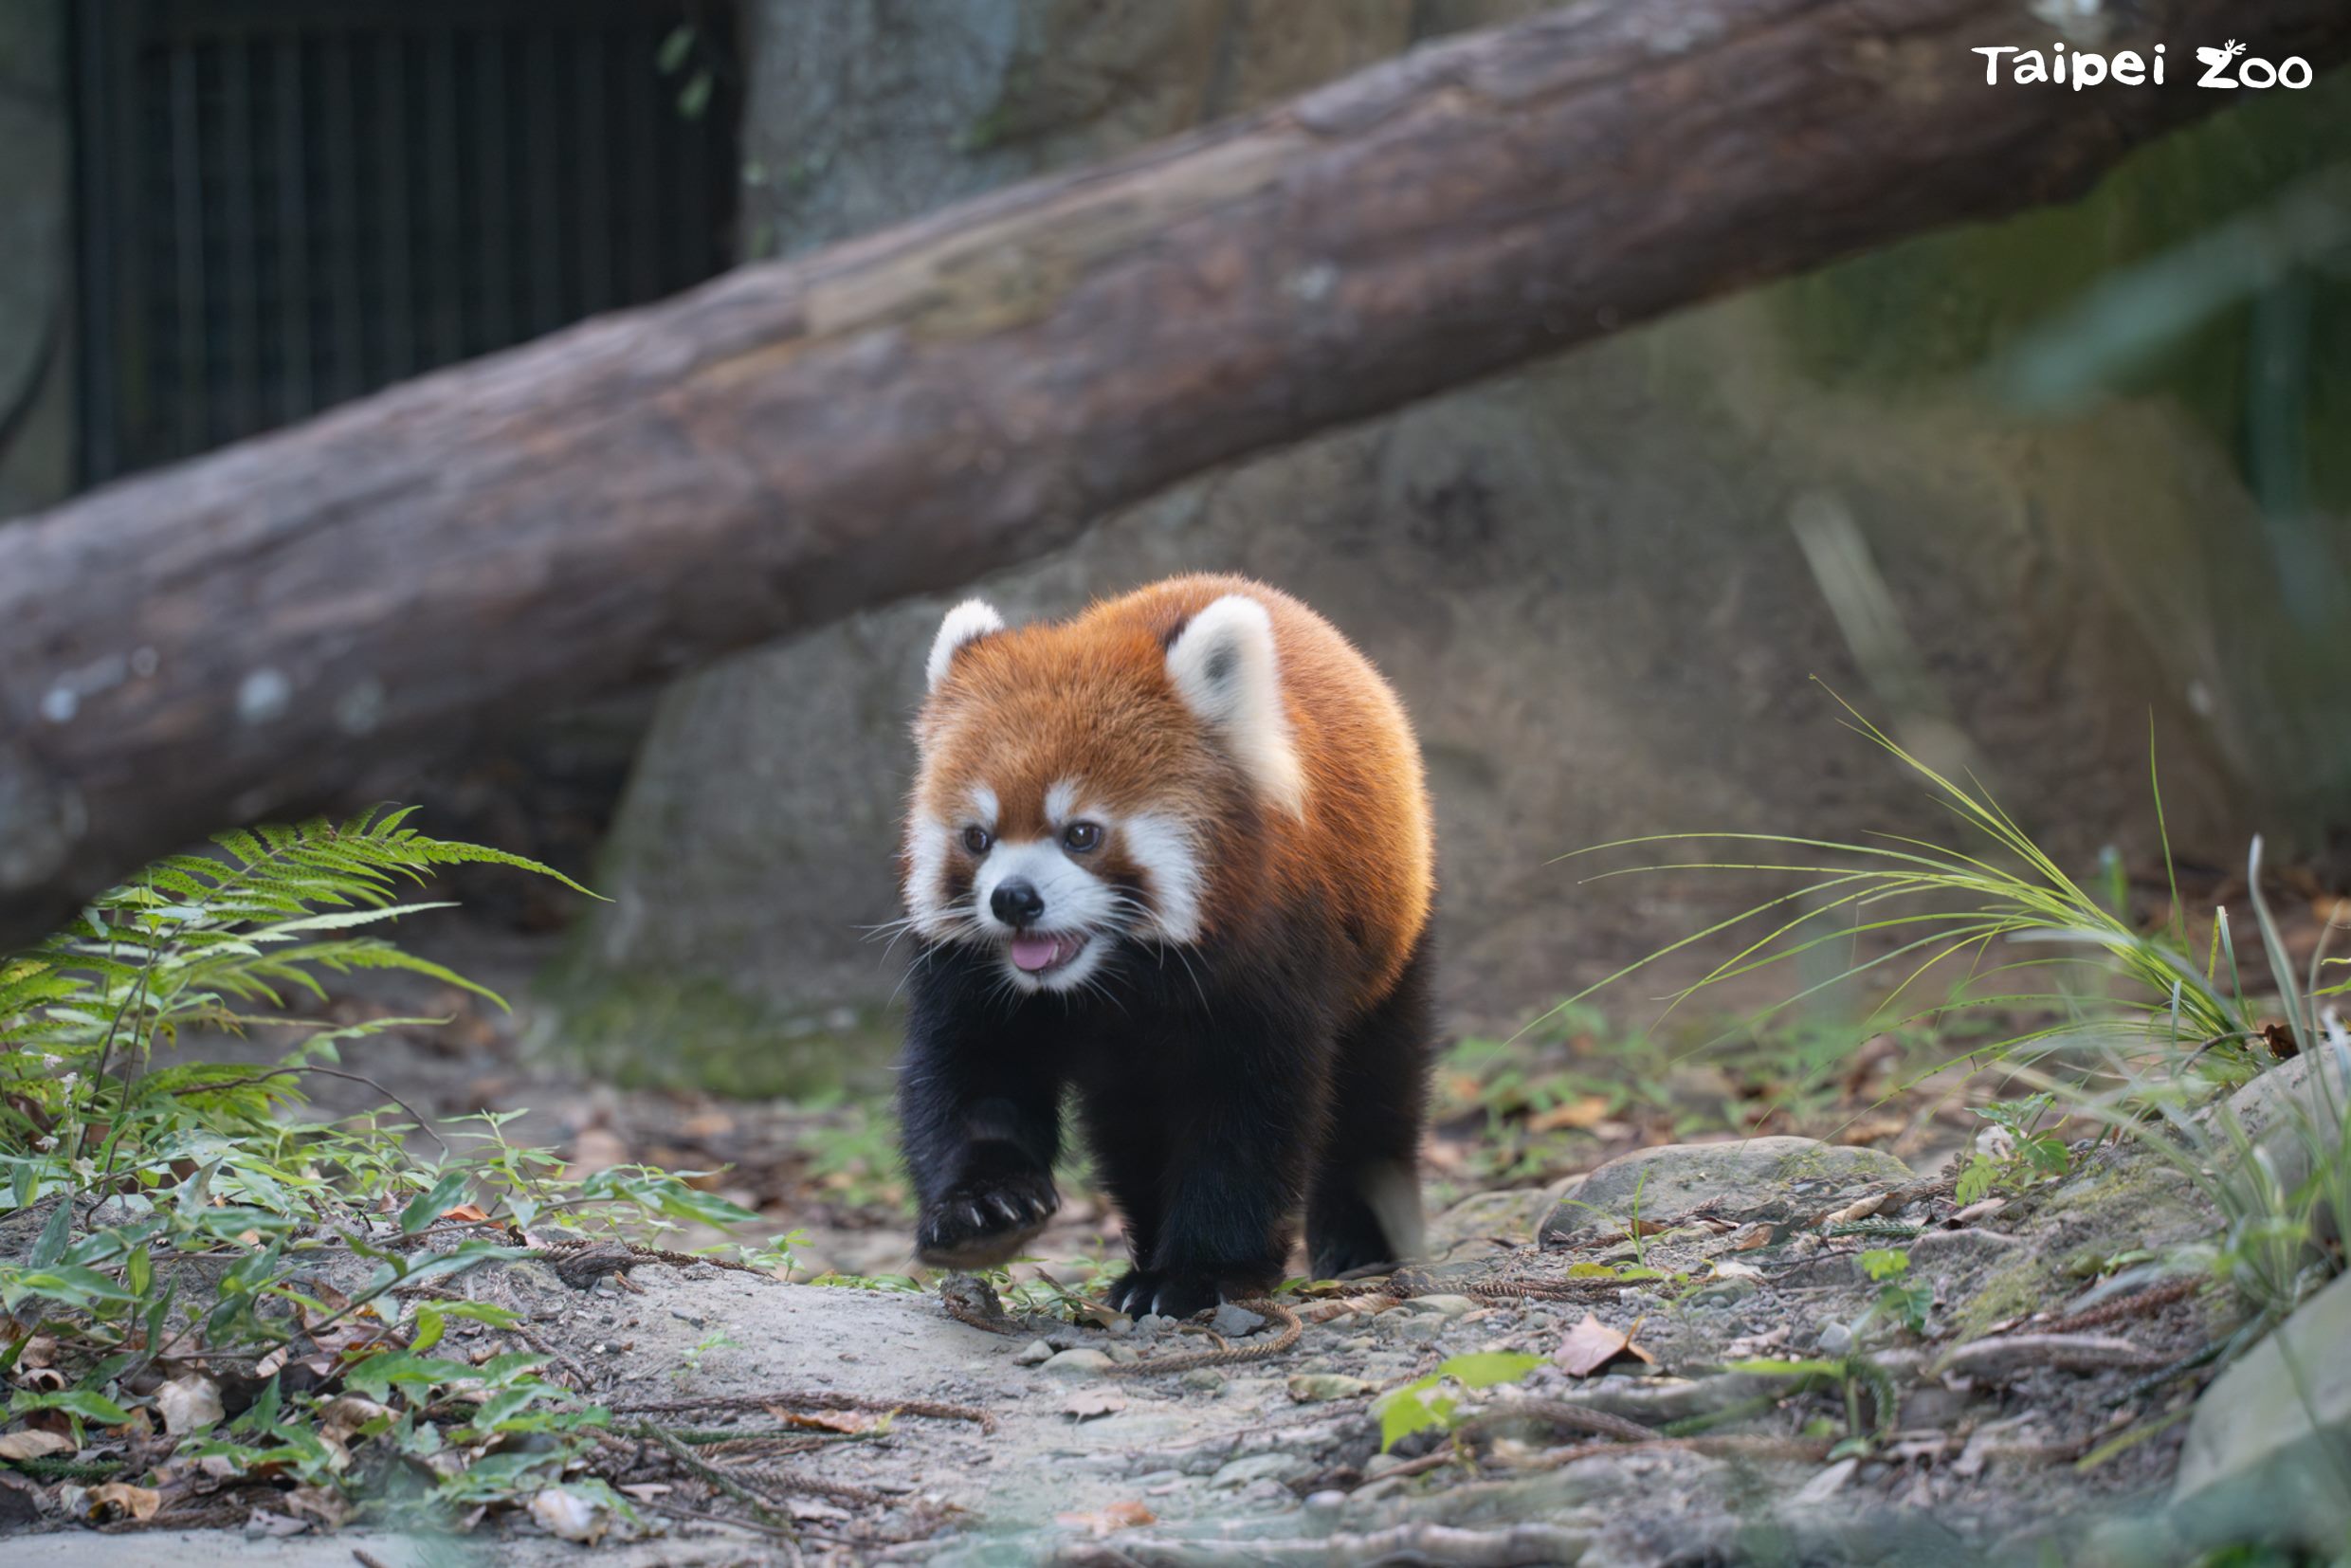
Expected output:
{"points": [[2132, 1029]]}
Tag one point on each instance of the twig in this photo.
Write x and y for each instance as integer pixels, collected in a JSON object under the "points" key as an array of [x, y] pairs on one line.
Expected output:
{"points": [[693, 1463], [2128, 1306], [2067, 1352], [1559, 1413], [809, 1399], [423, 1126], [1291, 1329], [1806, 1449]]}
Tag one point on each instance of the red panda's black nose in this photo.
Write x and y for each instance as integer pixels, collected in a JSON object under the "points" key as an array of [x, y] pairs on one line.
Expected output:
{"points": [[1017, 902]]}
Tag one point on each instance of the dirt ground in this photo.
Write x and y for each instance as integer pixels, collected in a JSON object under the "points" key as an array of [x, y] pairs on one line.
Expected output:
{"points": [[1750, 1341]]}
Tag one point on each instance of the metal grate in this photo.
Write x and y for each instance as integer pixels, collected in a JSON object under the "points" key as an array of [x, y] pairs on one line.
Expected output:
{"points": [[289, 203]]}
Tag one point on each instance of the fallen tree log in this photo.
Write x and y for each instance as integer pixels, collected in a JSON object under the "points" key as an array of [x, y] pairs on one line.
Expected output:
{"points": [[243, 634]]}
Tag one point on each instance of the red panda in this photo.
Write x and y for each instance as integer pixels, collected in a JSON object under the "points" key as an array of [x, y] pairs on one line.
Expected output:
{"points": [[1175, 854]]}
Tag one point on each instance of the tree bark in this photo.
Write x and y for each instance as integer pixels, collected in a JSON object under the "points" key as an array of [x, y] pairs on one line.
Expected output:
{"points": [[242, 636]]}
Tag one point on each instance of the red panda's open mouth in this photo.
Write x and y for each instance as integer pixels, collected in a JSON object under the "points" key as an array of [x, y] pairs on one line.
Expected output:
{"points": [[1040, 953]]}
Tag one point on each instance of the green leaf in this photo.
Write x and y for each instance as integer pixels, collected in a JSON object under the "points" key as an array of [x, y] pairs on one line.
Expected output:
{"points": [[68, 1283], [428, 1205], [80, 1402], [1885, 1263], [675, 47], [1404, 1411], [1486, 1368], [50, 1245]]}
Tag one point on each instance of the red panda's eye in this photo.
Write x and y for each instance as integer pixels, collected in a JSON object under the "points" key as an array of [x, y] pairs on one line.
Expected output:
{"points": [[1080, 836], [977, 840]]}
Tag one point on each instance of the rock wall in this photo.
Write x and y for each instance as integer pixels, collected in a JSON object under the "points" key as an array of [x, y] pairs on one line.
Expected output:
{"points": [[1601, 584]]}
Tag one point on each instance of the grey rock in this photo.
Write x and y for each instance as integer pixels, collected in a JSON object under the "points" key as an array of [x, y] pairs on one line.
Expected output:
{"points": [[1076, 1363], [1036, 1354], [2265, 1453], [1205, 1379], [1973, 1245], [2294, 1114], [1256, 1467], [1309, 1388], [1729, 1180], [1470, 1227], [1234, 1322]]}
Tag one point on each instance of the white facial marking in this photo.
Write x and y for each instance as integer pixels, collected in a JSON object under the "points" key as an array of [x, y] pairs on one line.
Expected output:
{"points": [[927, 842], [970, 619], [1077, 903], [1061, 802], [1224, 669], [1165, 849], [984, 806]]}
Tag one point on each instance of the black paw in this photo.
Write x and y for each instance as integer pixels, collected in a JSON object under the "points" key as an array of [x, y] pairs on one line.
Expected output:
{"points": [[1170, 1293], [985, 1221]]}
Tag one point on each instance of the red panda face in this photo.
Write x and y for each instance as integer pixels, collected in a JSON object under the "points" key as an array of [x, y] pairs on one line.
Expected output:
{"points": [[1073, 797]]}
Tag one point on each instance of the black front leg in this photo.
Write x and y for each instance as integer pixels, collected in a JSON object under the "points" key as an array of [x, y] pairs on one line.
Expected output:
{"points": [[1236, 1165], [979, 1116]]}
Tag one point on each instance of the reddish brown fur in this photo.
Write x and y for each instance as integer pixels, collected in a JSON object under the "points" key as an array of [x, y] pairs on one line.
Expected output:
{"points": [[1024, 707]]}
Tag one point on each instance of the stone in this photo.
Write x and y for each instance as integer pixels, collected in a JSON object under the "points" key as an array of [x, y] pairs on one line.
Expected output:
{"points": [[1036, 1353], [2294, 1114], [1235, 1322], [1729, 1180], [1473, 1226], [1076, 1363], [1204, 1379], [1973, 1245], [1437, 1306], [1310, 1388], [2264, 1453], [1255, 1467]]}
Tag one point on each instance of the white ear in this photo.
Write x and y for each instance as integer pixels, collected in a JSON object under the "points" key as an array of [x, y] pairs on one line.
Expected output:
{"points": [[1224, 668], [970, 619]]}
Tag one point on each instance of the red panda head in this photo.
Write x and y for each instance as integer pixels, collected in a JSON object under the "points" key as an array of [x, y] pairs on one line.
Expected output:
{"points": [[1084, 786]]}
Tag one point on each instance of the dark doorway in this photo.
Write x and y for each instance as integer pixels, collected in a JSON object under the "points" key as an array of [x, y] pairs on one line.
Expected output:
{"points": [[289, 203]]}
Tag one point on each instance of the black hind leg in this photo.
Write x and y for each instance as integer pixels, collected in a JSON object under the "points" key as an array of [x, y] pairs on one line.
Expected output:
{"points": [[1363, 1210]]}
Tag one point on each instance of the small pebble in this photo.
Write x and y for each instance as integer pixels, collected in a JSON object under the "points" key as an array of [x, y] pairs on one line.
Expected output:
{"points": [[1310, 1387], [1234, 1322], [1076, 1363], [1037, 1353], [1206, 1379], [1836, 1338]]}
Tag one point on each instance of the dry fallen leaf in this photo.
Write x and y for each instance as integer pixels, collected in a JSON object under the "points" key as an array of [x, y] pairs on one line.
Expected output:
{"points": [[469, 1213], [1088, 1407], [261, 1522], [1591, 1345], [190, 1403], [33, 1445], [569, 1515], [322, 1504], [828, 1420], [1117, 1516], [130, 1502], [1580, 1115]]}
